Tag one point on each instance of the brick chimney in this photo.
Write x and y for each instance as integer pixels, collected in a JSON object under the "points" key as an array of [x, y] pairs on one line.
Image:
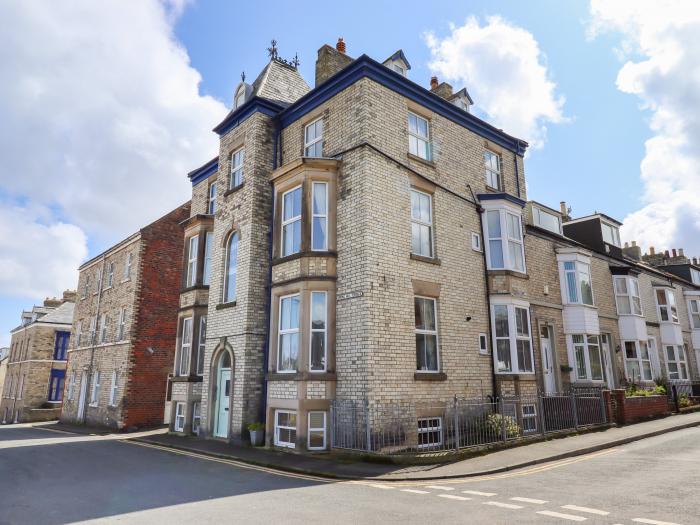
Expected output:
{"points": [[633, 252], [330, 60], [652, 251], [52, 302], [340, 45], [564, 212], [69, 296]]}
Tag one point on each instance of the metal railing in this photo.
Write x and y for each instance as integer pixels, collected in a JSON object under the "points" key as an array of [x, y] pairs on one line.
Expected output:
{"points": [[415, 428]]}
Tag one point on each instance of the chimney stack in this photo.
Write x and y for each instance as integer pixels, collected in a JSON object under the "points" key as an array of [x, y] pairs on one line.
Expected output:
{"points": [[680, 252], [340, 45], [652, 251], [673, 251], [666, 254], [633, 252], [433, 82]]}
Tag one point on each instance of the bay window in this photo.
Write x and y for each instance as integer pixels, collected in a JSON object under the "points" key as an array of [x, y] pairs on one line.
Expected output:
{"points": [[291, 221], [505, 247], [201, 346], [206, 270], [638, 361], [694, 311], [577, 282], [421, 224], [666, 305], [319, 220], [418, 136], [676, 362], [587, 357], [193, 243], [627, 296], [185, 347], [319, 332], [288, 340], [512, 339], [426, 334]]}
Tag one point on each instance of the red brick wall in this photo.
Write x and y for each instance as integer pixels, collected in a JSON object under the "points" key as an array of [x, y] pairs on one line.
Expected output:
{"points": [[631, 409], [156, 319]]}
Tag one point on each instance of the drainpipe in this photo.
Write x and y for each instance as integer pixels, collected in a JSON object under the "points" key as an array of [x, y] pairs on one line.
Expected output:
{"points": [[480, 211], [517, 176], [92, 342]]}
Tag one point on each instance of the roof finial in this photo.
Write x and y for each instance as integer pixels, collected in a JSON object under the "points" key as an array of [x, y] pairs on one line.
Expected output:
{"points": [[242, 76], [295, 61], [272, 51]]}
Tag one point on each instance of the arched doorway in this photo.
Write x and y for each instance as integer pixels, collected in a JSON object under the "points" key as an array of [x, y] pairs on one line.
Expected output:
{"points": [[223, 395]]}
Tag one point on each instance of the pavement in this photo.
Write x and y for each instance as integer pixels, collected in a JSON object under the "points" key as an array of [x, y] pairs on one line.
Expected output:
{"points": [[345, 467], [49, 477]]}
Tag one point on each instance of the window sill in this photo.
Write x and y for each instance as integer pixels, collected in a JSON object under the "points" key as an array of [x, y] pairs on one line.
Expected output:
{"points": [[93, 405], [512, 273], [301, 376], [231, 191], [516, 375], [429, 260], [186, 379], [426, 162], [299, 255], [429, 376], [125, 280], [194, 287], [223, 306], [107, 288]]}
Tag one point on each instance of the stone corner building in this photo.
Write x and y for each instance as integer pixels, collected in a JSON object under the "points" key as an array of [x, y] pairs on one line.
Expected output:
{"points": [[123, 329], [36, 363]]}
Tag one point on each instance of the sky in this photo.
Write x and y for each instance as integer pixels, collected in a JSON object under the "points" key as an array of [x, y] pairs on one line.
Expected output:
{"points": [[105, 107]]}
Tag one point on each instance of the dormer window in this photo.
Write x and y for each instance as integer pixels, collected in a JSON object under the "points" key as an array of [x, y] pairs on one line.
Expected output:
{"points": [[546, 220], [695, 275], [239, 99], [611, 234], [400, 70], [462, 104]]}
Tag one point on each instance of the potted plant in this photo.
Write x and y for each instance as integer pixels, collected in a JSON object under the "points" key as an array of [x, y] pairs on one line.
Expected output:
{"points": [[257, 431]]}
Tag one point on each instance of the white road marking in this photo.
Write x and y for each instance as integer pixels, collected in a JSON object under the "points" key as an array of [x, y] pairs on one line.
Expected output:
{"points": [[439, 487], [452, 496], [530, 500], [585, 509], [414, 491], [502, 505], [477, 493], [562, 516], [385, 487], [653, 522]]}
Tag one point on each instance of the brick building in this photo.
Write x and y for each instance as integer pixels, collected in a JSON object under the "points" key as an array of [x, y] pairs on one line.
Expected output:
{"points": [[371, 240], [124, 330], [35, 366]]}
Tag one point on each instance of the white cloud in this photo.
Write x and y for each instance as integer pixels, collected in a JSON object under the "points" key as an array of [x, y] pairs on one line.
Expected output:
{"points": [[37, 259], [660, 46], [505, 72], [101, 120]]}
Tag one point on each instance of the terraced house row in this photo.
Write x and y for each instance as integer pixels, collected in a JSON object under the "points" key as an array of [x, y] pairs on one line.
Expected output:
{"points": [[366, 240]]}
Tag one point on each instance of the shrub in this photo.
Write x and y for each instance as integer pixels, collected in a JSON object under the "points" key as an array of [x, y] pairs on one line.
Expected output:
{"points": [[494, 425], [683, 400], [255, 427]]}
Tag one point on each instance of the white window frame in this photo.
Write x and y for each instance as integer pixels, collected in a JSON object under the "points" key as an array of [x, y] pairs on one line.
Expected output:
{"points": [[291, 220], [419, 222], [185, 354], [311, 429], [512, 336], [435, 332], [491, 173], [398, 69], [681, 364], [289, 331], [694, 313], [103, 329], [110, 274], [113, 389], [638, 359], [206, 270], [615, 233], [95, 391], [71, 386], [581, 266], [695, 276], [323, 331], [529, 415], [320, 216], [201, 344], [196, 417], [310, 146], [192, 248], [179, 423], [229, 266], [121, 324], [586, 346], [211, 199], [537, 214], [483, 344], [504, 239], [628, 296], [278, 427], [476, 242], [127, 267], [418, 137], [236, 176], [428, 430], [671, 306]]}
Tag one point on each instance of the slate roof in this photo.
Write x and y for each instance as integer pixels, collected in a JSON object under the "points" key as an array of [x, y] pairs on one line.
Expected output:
{"points": [[281, 83]]}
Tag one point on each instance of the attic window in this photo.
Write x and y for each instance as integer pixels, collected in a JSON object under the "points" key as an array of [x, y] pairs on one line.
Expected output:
{"points": [[397, 67], [462, 104], [611, 234], [240, 98]]}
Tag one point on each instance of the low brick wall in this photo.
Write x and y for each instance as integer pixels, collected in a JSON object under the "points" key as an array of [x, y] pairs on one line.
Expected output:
{"points": [[625, 410]]}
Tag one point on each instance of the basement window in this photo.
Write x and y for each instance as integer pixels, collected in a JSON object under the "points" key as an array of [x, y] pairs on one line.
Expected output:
{"points": [[429, 432]]}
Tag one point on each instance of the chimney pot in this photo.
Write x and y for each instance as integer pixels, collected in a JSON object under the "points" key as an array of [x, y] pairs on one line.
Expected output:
{"points": [[627, 245], [680, 252], [666, 254], [433, 82], [673, 251], [340, 45], [634, 243], [562, 208]]}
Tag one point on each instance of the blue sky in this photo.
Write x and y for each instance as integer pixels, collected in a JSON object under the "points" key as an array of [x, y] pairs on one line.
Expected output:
{"points": [[101, 100]]}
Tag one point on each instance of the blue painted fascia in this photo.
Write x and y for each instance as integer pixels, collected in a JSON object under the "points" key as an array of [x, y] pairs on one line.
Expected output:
{"points": [[204, 172], [501, 197], [238, 115], [363, 67]]}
